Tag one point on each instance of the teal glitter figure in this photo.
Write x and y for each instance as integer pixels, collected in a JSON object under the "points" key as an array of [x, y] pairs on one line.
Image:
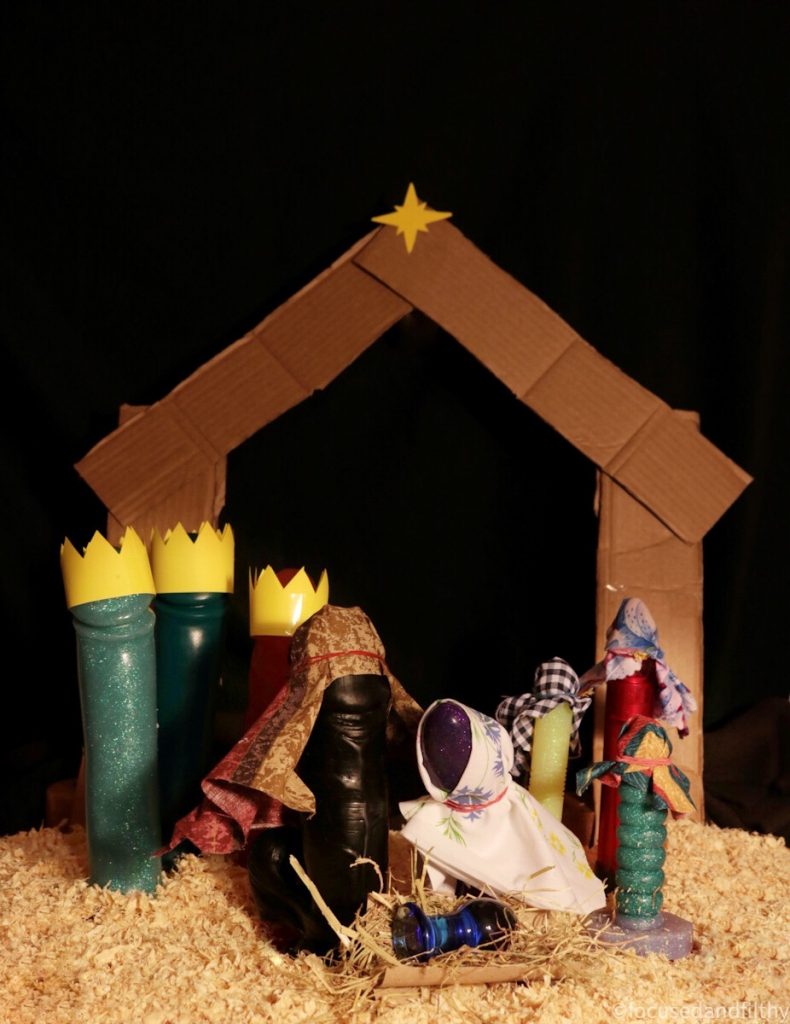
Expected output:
{"points": [[189, 647], [116, 665], [641, 856], [193, 575], [649, 785]]}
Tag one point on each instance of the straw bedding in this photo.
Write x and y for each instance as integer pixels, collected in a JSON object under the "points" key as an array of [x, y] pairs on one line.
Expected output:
{"points": [[195, 952]]}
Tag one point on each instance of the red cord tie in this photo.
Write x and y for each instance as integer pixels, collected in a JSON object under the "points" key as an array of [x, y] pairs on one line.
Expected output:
{"points": [[466, 808], [336, 654]]}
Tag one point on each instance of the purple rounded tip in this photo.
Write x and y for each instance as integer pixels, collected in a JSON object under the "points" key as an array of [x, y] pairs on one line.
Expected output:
{"points": [[446, 743]]}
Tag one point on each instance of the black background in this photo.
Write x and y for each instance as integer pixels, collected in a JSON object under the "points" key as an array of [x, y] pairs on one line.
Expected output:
{"points": [[171, 173]]}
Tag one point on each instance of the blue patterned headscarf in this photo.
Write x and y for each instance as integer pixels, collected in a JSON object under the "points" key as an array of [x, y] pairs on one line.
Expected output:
{"points": [[631, 640]]}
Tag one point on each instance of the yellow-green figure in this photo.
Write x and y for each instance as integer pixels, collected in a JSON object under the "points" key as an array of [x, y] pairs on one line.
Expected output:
{"points": [[550, 743], [544, 728]]}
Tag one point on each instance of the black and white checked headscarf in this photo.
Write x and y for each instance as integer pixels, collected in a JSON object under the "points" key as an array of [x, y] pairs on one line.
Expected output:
{"points": [[555, 683]]}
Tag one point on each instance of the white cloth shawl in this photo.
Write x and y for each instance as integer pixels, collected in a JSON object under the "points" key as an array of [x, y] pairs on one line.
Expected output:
{"points": [[492, 834]]}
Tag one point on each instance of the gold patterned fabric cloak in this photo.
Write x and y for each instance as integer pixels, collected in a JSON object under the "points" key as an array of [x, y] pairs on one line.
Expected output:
{"points": [[257, 779]]}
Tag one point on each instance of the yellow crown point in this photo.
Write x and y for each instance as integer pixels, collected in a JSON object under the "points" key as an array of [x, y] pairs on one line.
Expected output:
{"points": [[183, 565], [103, 572], [277, 610]]}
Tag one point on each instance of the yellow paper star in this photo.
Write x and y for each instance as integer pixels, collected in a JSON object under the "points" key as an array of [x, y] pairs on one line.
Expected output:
{"points": [[410, 218]]}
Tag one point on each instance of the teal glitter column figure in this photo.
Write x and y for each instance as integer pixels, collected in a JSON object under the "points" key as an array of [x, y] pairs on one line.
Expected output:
{"points": [[109, 592], [649, 784], [640, 857], [193, 574]]}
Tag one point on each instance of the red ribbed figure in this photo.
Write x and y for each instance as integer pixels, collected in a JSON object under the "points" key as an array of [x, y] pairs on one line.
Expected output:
{"points": [[638, 682]]}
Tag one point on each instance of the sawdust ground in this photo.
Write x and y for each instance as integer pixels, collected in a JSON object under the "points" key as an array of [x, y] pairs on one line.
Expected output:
{"points": [[196, 952]]}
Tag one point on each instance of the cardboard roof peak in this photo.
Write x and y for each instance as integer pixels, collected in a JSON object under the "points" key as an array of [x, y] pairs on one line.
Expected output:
{"points": [[658, 456]]}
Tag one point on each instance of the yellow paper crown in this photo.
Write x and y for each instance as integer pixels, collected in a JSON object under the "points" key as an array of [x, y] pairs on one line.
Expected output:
{"points": [[277, 610], [102, 571], [182, 565]]}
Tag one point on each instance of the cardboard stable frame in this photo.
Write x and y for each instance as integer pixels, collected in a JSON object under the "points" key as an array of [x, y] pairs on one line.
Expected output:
{"points": [[662, 484]]}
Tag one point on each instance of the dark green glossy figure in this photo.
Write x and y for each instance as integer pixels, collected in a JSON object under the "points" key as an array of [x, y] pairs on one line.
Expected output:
{"points": [[190, 631], [117, 678]]}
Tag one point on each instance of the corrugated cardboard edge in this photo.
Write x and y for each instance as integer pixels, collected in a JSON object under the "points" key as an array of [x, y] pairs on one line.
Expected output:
{"points": [[303, 344], [639, 557], [627, 431], [300, 347], [200, 499]]}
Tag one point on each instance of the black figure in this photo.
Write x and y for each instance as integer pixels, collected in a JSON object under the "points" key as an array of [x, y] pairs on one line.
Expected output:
{"points": [[344, 765]]}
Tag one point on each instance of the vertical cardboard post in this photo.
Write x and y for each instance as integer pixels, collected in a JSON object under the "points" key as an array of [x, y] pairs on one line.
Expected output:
{"points": [[640, 557]]}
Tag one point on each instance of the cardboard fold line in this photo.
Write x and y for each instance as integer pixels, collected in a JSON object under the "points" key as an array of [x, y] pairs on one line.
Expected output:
{"points": [[142, 461], [332, 323], [594, 405], [683, 479], [201, 498], [455, 284], [308, 340], [252, 382], [237, 393], [192, 428], [560, 376], [344, 258]]}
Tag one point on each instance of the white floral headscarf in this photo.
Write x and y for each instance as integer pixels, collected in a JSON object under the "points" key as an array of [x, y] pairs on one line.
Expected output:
{"points": [[492, 834]]}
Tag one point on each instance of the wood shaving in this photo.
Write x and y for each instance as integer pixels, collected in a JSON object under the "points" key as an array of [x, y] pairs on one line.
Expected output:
{"points": [[196, 951]]}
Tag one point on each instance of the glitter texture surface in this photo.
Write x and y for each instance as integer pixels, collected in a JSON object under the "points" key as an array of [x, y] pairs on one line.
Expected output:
{"points": [[117, 676], [640, 855], [446, 743], [634, 695], [189, 644]]}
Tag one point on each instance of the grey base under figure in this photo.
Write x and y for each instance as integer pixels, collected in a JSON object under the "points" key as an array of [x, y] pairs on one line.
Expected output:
{"points": [[667, 934]]}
